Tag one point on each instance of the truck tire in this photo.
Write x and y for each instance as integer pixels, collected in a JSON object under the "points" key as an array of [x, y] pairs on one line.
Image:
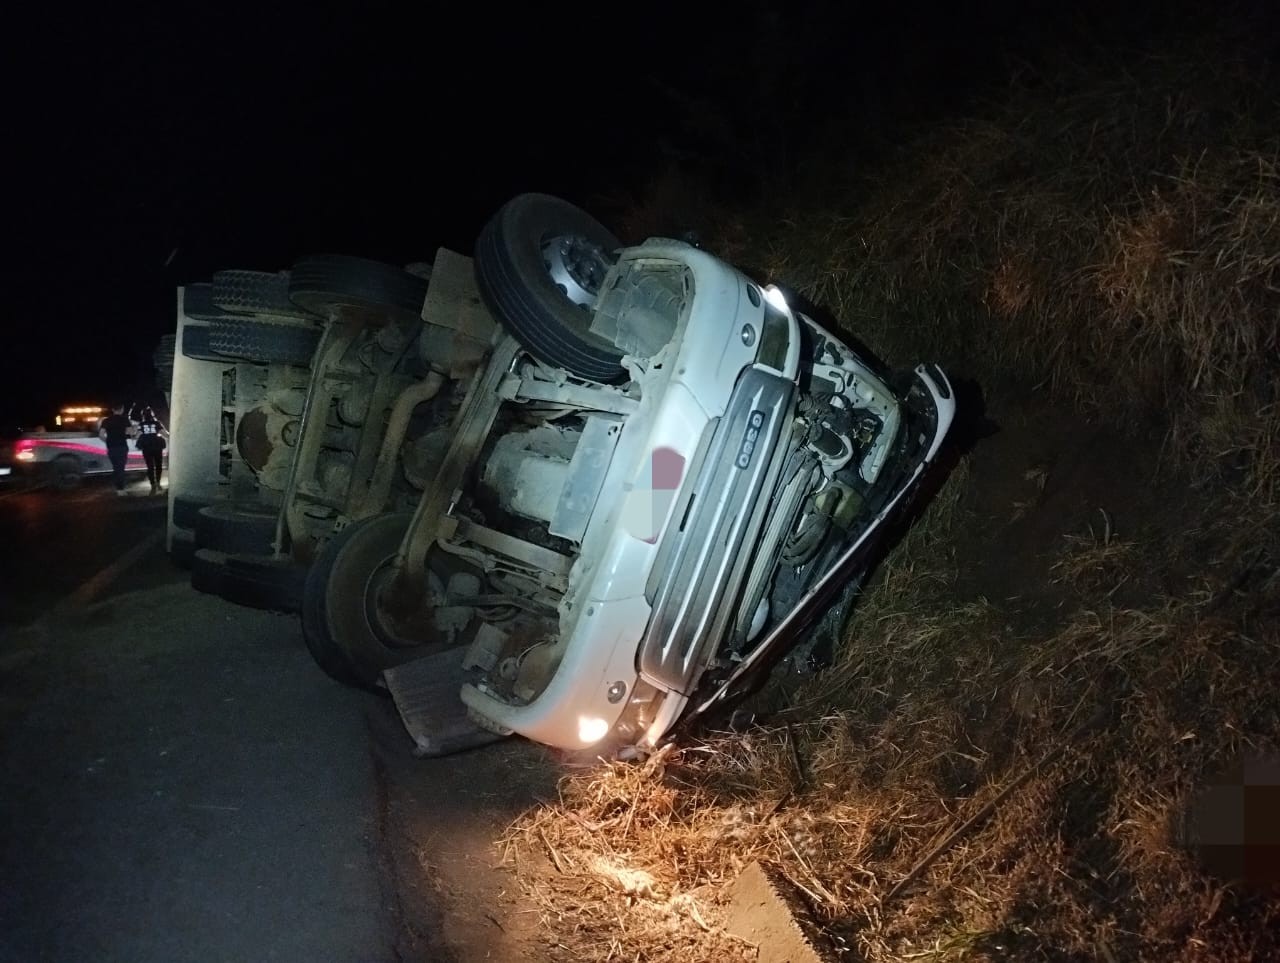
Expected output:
{"points": [[198, 304], [335, 605], [162, 359], [195, 344], [206, 571], [164, 350], [182, 547], [66, 472], [264, 582], [542, 296], [371, 292], [230, 527], [186, 510], [267, 342], [256, 292], [324, 648]]}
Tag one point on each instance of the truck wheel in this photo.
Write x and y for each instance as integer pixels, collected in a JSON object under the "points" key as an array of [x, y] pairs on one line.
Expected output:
{"points": [[339, 608], [182, 548], [195, 344], [264, 582], [237, 528], [373, 293], [187, 509], [162, 359], [264, 341], [198, 303], [539, 264], [256, 292], [206, 571], [254, 581], [66, 472]]}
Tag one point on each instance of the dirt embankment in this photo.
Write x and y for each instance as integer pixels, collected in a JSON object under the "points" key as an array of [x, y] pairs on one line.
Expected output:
{"points": [[1062, 650], [1052, 712]]}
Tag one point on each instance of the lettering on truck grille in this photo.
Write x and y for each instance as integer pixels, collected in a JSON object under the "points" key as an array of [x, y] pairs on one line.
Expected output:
{"points": [[749, 439]]}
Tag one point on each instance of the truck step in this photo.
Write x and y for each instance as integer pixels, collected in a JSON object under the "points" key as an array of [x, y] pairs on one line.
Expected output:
{"points": [[425, 692]]}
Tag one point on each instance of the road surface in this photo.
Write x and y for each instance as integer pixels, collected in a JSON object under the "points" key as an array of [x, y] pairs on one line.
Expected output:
{"points": [[180, 782]]}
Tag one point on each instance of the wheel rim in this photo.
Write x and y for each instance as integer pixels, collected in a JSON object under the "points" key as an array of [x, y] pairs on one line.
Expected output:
{"points": [[576, 266], [380, 625], [540, 266], [374, 624], [348, 625]]}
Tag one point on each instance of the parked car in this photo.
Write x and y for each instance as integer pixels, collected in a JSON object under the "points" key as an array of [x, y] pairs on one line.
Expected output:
{"points": [[8, 436], [644, 475], [63, 458]]}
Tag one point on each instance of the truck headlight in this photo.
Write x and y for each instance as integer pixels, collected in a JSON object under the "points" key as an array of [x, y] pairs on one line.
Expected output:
{"points": [[775, 338]]}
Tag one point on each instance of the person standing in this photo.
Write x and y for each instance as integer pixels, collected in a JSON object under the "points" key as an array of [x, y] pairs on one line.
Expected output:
{"points": [[151, 442], [114, 430]]}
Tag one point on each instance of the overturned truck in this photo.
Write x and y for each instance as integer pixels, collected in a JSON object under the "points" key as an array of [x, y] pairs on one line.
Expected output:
{"points": [[569, 489]]}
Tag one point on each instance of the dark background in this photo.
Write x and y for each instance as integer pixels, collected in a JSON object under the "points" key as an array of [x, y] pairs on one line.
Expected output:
{"points": [[155, 144]]}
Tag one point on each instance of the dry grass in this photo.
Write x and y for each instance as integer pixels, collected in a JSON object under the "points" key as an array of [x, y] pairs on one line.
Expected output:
{"points": [[931, 713], [1112, 234], [1097, 563], [1109, 231]]}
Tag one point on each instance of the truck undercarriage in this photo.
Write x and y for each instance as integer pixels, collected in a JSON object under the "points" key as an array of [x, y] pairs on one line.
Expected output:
{"points": [[570, 489]]}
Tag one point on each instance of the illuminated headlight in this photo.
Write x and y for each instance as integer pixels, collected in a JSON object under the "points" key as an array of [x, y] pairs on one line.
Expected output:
{"points": [[4, 470], [775, 297], [591, 729], [26, 456], [776, 336]]}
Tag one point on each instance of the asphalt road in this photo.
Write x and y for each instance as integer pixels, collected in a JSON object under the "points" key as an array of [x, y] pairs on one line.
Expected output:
{"points": [[52, 542], [178, 781]]}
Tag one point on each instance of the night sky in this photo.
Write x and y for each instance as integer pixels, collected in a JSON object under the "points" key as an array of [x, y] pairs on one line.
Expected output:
{"points": [[154, 145]]}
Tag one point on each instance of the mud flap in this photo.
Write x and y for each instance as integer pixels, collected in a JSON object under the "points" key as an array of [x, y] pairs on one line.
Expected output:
{"points": [[425, 692]]}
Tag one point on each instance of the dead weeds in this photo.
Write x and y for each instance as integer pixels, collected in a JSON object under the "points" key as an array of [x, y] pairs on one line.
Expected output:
{"points": [[950, 790], [946, 791]]}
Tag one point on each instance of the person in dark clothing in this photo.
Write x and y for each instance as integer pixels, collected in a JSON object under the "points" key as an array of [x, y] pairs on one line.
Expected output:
{"points": [[114, 430], [151, 442]]}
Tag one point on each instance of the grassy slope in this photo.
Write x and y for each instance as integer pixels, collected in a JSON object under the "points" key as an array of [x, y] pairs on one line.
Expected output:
{"points": [[1095, 585]]}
